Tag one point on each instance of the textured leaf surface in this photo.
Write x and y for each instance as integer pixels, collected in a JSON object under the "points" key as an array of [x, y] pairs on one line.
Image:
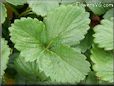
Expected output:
{"points": [[25, 33], [17, 2], [67, 23], [104, 34], [64, 64], [3, 13], [42, 7], [60, 63], [29, 31], [103, 63], [29, 70], [5, 51], [109, 14]]}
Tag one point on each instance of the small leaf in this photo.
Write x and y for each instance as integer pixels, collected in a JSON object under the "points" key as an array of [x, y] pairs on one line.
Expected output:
{"points": [[3, 13], [109, 14], [64, 65], [17, 2], [103, 63], [104, 34], [5, 52], [69, 24], [42, 7]]}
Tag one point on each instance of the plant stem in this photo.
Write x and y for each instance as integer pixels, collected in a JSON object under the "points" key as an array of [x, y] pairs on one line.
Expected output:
{"points": [[25, 12], [12, 8], [49, 44]]}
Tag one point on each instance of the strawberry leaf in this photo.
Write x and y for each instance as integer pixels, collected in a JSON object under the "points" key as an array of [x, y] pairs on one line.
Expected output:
{"points": [[86, 43], [97, 7], [29, 70], [62, 65], [69, 24], [104, 34], [35, 42], [3, 13], [5, 52], [42, 7], [28, 31], [103, 63], [109, 14]]}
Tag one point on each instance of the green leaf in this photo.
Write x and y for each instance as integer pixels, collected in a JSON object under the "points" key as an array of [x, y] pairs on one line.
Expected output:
{"points": [[69, 24], [98, 8], [91, 78], [5, 52], [3, 13], [29, 70], [63, 64], [24, 80], [42, 7], [56, 65], [60, 63], [30, 40], [86, 43], [109, 14], [16, 2], [103, 63], [104, 34], [26, 34]]}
